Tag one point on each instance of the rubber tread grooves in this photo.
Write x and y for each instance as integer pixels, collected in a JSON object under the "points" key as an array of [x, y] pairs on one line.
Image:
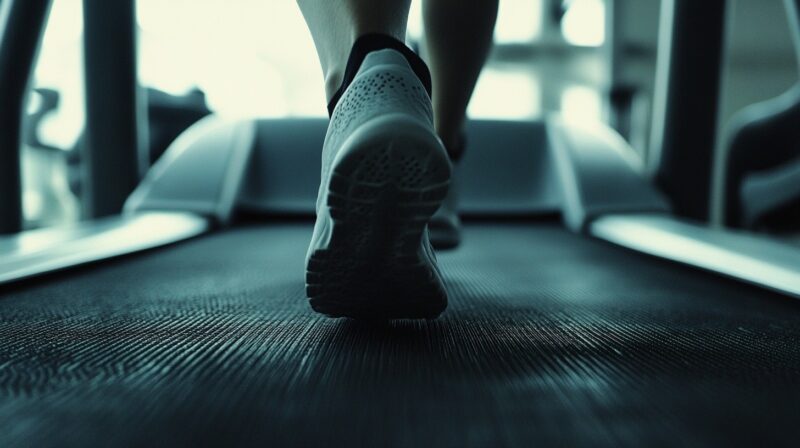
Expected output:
{"points": [[550, 339]]}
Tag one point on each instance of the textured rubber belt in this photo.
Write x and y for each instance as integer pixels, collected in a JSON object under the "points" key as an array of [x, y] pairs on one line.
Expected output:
{"points": [[550, 339]]}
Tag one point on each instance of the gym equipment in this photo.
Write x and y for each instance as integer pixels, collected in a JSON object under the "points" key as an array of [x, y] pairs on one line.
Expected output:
{"points": [[578, 313]]}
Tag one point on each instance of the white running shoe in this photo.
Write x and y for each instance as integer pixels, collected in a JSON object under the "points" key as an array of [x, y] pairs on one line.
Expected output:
{"points": [[384, 174]]}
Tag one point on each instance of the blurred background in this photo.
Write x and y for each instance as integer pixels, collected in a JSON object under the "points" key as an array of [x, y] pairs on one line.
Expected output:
{"points": [[255, 58]]}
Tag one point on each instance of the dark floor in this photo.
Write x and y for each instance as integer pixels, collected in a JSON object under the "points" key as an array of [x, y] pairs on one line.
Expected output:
{"points": [[550, 339]]}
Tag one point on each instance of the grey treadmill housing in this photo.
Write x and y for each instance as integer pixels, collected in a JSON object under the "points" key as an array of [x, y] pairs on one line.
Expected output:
{"points": [[510, 168], [201, 172], [507, 165], [599, 174]]}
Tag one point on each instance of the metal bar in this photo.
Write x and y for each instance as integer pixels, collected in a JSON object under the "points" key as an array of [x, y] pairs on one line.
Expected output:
{"points": [[793, 11], [771, 121], [113, 108], [615, 40], [621, 92], [688, 80], [21, 24]]}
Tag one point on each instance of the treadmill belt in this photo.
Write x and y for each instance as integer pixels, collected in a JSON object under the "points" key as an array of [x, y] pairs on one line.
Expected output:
{"points": [[549, 339]]}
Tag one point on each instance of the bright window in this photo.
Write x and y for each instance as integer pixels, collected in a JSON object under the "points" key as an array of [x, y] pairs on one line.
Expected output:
{"points": [[584, 23]]}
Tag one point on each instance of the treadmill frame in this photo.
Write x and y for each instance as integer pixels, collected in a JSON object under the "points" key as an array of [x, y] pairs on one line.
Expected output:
{"points": [[603, 189], [21, 28]]}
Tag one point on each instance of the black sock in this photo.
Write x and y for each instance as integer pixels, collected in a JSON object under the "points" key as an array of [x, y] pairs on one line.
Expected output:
{"points": [[374, 42]]}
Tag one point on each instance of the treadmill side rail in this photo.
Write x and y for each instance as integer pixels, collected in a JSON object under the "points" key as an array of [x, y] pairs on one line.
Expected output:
{"points": [[754, 259], [201, 172], [36, 252], [766, 191], [599, 174]]}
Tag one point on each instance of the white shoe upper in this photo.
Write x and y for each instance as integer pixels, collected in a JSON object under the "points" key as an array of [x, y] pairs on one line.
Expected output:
{"points": [[385, 84]]}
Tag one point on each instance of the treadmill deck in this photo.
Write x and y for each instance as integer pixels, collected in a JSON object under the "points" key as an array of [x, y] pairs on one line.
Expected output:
{"points": [[549, 339]]}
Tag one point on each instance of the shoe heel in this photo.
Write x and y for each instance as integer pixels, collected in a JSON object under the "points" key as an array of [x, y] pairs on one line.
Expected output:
{"points": [[381, 195]]}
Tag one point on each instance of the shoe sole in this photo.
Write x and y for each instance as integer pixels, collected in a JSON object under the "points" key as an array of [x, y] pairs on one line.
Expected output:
{"points": [[388, 180]]}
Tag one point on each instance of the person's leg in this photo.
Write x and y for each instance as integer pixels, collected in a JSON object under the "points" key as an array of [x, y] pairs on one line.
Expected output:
{"points": [[384, 170], [458, 37], [336, 24]]}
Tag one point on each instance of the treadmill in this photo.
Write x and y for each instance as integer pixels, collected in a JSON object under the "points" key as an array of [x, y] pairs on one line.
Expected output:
{"points": [[590, 302]]}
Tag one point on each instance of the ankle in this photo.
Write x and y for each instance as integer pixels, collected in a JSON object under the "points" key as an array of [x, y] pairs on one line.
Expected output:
{"points": [[454, 142], [333, 81], [337, 81]]}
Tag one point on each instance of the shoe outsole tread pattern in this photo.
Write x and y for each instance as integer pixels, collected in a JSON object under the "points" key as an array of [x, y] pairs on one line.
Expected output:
{"points": [[381, 196]]}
